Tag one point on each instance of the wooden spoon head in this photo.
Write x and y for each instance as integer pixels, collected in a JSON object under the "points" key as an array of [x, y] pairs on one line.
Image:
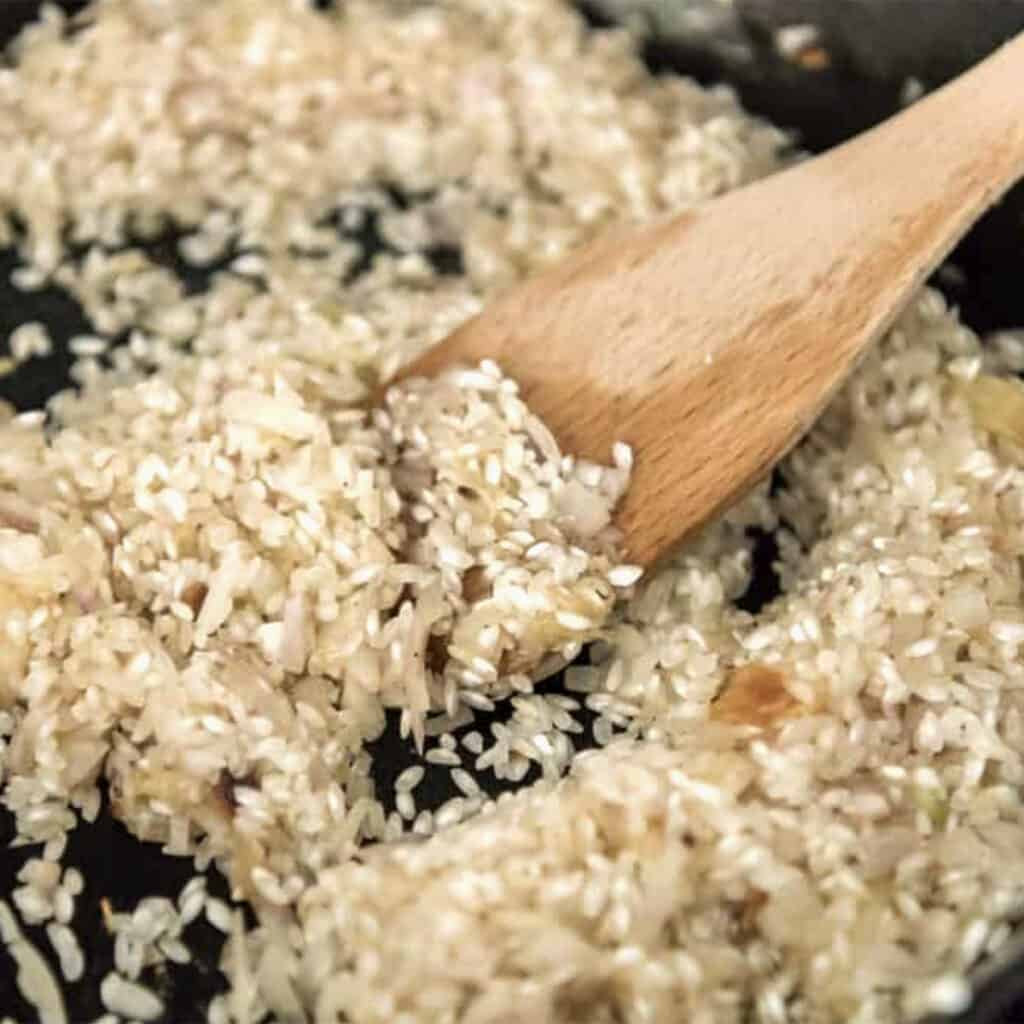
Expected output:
{"points": [[709, 369]]}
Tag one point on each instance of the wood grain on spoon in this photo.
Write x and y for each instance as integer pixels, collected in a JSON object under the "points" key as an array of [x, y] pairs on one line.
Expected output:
{"points": [[711, 341]]}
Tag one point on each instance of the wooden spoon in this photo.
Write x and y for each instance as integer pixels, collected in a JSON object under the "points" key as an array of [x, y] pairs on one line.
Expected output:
{"points": [[711, 341]]}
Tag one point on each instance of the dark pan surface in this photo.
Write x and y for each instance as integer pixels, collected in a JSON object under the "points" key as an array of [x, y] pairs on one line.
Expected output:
{"points": [[872, 47]]}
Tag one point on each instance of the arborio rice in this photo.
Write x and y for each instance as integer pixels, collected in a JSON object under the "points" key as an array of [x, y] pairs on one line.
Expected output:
{"points": [[220, 564]]}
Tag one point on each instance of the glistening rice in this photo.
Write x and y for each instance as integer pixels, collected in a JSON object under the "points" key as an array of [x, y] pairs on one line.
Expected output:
{"points": [[222, 563]]}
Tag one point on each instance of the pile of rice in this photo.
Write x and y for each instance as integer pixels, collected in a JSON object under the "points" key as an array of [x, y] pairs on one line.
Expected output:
{"points": [[222, 564]]}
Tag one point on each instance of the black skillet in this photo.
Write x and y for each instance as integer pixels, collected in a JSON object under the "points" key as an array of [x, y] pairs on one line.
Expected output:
{"points": [[851, 76]]}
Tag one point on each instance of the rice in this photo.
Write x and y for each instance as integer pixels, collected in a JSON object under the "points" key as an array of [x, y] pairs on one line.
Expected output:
{"points": [[225, 566], [410, 778], [465, 782], [28, 341], [73, 882], [34, 978], [405, 805], [69, 952], [129, 999], [192, 900], [218, 913], [439, 755]]}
